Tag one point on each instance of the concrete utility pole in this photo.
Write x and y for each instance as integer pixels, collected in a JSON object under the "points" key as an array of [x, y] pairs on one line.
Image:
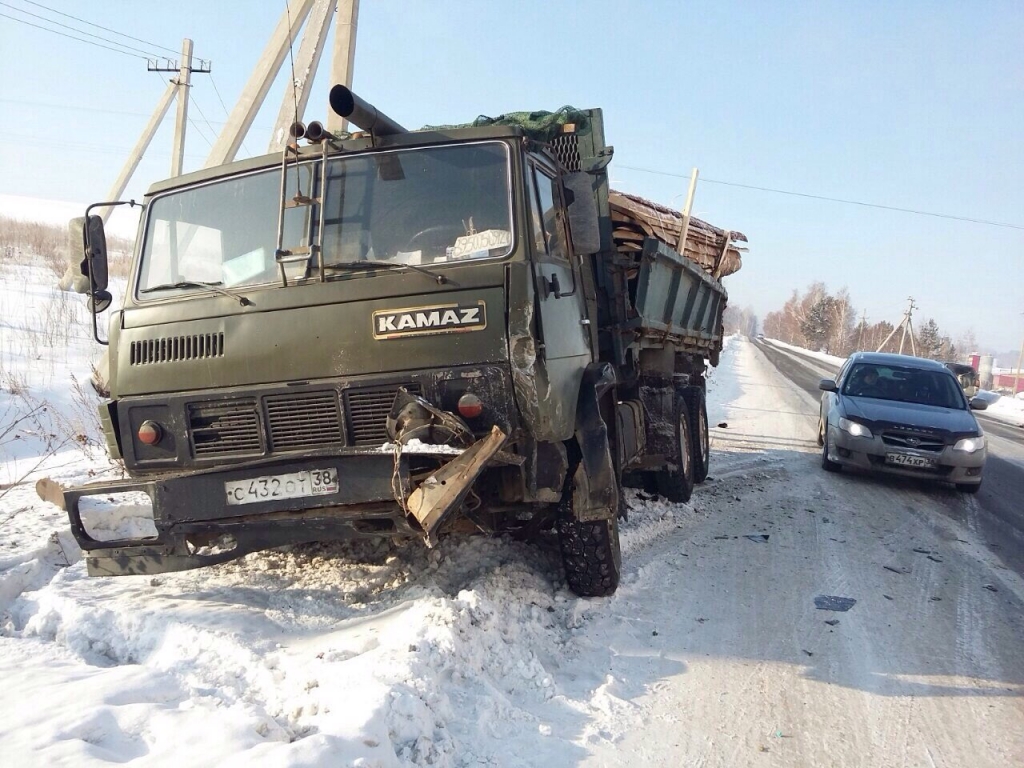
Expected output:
{"points": [[860, 331], [255, 91], [184, 83], [181, 83], [906, 324], [140, 147], [1020, 360], [176, 87], [344, 55], [293, 104]]}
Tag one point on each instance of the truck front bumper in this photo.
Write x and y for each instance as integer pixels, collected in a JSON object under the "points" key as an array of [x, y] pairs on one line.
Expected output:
{"points": [[196, 526]]}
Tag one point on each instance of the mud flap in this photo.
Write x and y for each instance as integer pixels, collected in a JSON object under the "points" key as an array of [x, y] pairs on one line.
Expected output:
{"points": [[437, 497], [595, 485]]}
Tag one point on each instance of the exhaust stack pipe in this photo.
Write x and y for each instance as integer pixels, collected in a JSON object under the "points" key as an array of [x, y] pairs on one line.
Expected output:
{"points": [[362, 114]]}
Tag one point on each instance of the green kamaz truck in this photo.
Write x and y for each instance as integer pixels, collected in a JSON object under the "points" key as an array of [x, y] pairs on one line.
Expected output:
{"points": [[402, 333]]}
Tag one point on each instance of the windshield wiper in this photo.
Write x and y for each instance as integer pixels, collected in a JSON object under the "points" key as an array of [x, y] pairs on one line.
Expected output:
{"points": [[343, 266], [209, 286]]}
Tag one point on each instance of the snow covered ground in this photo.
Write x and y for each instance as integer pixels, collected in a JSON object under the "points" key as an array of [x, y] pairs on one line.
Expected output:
{"points": [[475, 653]]}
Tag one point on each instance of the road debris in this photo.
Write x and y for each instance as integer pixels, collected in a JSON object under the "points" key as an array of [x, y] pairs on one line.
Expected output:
{"points": [[832, 622], [834, 603], [758, 538]]}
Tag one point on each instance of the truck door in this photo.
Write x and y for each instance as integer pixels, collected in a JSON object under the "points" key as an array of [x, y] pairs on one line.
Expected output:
{"points": [[563, 318]]}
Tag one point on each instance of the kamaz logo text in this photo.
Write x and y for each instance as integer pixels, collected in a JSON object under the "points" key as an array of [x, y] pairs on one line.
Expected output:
{"points": [[445, 318]]}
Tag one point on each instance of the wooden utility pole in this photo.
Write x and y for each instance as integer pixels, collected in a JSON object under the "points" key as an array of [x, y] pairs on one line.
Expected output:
{"points": [[687, 209], [345, 24]]}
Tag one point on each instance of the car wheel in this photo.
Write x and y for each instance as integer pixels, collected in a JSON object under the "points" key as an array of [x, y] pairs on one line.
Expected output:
{"points": [[826, 463], [821, 431], [968, 487]]}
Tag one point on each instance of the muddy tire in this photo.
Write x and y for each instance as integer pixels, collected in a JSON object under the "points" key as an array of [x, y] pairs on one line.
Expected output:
{"points": [[697, 406], [590, 553], [676, 485]]}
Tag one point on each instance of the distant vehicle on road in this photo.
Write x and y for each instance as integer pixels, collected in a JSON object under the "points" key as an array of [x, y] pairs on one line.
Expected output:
{"points": [[967, 376], [901, 415]]}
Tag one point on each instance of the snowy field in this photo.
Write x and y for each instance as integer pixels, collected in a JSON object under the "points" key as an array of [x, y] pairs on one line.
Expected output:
{"points": [[475, 653]]}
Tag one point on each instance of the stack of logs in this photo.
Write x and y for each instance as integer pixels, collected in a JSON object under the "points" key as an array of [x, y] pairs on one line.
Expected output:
{"points": [[634, 219]]}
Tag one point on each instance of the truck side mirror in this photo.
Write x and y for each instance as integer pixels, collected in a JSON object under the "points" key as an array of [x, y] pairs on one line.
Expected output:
{"points": [[94, 265], [578, 190]]}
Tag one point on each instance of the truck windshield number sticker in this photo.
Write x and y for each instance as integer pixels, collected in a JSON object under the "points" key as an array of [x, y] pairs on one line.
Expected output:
{"points": [[314, 482], [422, 321]]}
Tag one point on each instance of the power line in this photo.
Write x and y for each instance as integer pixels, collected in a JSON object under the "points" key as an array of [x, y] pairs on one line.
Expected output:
{"points": [[200, 111], [224, 106], [830, 199], [105, 29], [72, 37], [80, 108], [76, 29]]}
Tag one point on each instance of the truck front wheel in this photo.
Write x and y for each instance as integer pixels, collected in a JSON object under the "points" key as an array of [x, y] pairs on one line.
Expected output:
{"points": [[590, 553], [676, 484]]}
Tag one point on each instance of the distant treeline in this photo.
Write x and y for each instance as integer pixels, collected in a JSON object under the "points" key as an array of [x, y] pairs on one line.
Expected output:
{"points": [[828, 322]]}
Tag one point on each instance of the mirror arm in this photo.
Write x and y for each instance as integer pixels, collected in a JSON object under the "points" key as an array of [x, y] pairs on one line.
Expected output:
{"points": [[88, 263]]}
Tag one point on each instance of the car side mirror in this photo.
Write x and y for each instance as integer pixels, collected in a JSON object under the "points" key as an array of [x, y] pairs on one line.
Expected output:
{"points": [[978, 404], [584, 228], [828, 385]]}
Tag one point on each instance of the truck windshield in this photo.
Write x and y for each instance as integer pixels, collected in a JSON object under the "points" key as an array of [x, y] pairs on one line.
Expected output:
{"points": [[428, 206]]}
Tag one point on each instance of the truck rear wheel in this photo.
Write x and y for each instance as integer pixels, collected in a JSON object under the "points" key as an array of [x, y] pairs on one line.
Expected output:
{"points": [[676, 484], [697, 405], [590, 554]]}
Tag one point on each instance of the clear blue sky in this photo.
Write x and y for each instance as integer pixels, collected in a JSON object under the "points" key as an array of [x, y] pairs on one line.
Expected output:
{"points": [[911, 104]]}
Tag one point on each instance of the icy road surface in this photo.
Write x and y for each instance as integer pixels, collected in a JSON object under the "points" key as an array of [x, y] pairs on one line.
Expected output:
{"points": [[711, 653]]}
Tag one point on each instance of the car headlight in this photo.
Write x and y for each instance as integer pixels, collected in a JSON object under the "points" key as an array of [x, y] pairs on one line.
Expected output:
{"points": [[970, 444], [853, 428]]}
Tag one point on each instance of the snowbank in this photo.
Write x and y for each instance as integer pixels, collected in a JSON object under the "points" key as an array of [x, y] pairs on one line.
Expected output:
{"points": [[373, 653]]}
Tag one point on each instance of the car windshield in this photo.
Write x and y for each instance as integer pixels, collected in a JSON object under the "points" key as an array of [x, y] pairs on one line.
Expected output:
{"points": [[424, 206], [903, 384]]}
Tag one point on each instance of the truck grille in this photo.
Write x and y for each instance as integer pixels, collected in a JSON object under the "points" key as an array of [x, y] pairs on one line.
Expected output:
{"points": [[175, 348], [229, 427], [304, 420], [366, 411]]}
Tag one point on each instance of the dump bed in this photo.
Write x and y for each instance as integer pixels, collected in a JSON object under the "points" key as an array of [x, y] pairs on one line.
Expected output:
{"points": [[649, 293]]}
